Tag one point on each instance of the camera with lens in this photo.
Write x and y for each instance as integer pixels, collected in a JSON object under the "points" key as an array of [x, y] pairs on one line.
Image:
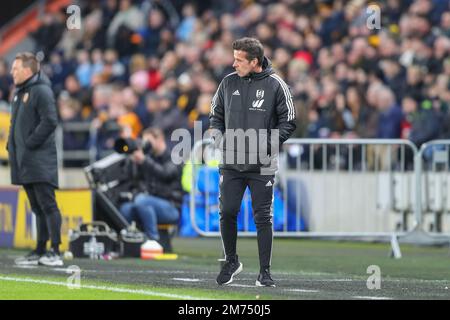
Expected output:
{"points": [[128, 146]]}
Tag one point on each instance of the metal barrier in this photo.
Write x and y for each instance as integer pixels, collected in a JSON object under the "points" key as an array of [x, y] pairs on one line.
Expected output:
{"points": [[353, 187], [433, 170], [87, 128], [314, 172], [196, 159], [90, 154]]}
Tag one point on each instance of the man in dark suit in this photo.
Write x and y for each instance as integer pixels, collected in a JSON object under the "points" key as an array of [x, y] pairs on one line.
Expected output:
{"points": [[32, 154]]}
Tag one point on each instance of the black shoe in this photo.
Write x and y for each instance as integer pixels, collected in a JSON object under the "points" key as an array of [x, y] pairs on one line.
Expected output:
{"points": [[31, 259], [229, 270], [264, 279], [51, 259]]}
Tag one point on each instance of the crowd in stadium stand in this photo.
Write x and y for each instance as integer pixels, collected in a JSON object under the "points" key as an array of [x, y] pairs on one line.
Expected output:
{"points": [[137, 64]]}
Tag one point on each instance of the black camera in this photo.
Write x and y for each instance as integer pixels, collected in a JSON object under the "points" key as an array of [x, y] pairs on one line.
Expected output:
{"points": [[128, 146]]}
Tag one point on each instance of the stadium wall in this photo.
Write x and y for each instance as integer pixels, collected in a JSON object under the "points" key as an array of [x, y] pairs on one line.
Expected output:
{"points": [[68, 178]]}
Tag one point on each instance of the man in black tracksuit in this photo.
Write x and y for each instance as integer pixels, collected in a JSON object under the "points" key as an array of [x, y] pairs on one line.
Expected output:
{"points": [[32, 154], [253, 100]]}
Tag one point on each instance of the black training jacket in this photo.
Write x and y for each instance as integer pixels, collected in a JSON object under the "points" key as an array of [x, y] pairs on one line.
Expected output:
{"points": [[31, 144], [257, 101]]}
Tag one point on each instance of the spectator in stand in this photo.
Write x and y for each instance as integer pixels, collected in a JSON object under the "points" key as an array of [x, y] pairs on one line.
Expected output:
{"points": [[167, 116], [69, 110], [84, 69], [390, 115], [97, 62], [200, 113], [129, 17], [47, 36], [58, 71], [6, 81], [188, 94], [136, 110], [187, 25], [420, 124], [122, 112], [151, 34], [154, 75]]}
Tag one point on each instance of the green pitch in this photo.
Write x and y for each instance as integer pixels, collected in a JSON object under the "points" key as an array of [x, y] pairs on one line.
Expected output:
{"points": [[302, 269], [21, 287]]}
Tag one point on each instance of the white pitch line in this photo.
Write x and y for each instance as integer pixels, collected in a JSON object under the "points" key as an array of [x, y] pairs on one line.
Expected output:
{"points": [[26, 266], [328, 280], [208, 273], [140, 271], [302, 290], [241, 285], [60, 269], [105, 288], [372, 298], [187, 279]]}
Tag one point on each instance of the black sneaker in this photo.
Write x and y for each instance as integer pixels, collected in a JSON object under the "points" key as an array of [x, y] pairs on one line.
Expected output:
{"points": [[51, 259], [31, 259], [264, 279], [229, 270]]}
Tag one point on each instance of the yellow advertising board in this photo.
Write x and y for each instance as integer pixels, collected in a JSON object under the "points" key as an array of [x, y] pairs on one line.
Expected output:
{"points": [[5, 119], [75, 207]]}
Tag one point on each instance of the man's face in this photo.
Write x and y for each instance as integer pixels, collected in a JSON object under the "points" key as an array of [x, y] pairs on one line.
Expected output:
{"points": [[158, 143], [242, 65], [19, 73], [409, 105]]}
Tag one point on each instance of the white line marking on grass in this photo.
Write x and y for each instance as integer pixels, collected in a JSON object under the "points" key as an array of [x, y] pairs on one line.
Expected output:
{"points": [[241, 285], [26, 267], [187, 279], [141, 271], [329, 280], [372, 298], [105, 288], [302, 290], [60, 269], [292, 276]]}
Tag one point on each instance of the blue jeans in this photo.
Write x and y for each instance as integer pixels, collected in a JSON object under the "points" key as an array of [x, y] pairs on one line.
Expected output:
{"points": [[150, 211]]}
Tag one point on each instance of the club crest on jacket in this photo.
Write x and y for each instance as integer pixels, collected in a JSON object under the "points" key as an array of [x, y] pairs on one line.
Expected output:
{"points": [[259, 94]]}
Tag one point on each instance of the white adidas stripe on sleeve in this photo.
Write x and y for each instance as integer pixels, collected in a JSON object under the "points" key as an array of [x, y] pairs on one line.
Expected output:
{"points": [[287, 95], [213, 101]]}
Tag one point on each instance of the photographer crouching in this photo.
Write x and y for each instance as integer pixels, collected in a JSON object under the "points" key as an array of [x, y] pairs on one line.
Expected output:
{"points": [[161, 198]]}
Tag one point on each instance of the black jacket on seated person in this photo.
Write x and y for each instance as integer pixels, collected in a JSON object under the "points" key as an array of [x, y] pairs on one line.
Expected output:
{"points": [[162, 178]]}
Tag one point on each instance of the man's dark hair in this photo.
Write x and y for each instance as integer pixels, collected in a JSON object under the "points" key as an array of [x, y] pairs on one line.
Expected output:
{"points": [[252, 47], [29, 60]]}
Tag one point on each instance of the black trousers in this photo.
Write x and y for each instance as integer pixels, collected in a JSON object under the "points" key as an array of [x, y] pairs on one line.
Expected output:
{"points": [[232, 188], [48, 216]]}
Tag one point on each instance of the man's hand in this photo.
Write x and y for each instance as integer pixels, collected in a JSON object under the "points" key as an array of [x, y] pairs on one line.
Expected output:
{"points": [[138, 156]]}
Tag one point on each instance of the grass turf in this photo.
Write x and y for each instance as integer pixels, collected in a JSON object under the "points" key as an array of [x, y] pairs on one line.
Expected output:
{"points": [[303, 269], [56, 288]]}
